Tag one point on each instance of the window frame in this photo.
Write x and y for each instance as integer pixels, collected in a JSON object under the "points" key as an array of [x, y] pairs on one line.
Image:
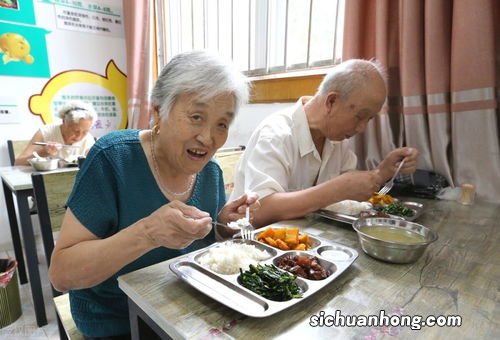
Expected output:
{"points": [[272, 87]]}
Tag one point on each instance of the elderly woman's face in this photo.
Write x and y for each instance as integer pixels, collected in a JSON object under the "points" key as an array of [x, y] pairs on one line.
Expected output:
{"points": [[194, 130], [75, 131]]}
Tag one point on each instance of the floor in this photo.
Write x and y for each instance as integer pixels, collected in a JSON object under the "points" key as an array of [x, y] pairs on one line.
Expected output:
{"points": [[25, 327]]}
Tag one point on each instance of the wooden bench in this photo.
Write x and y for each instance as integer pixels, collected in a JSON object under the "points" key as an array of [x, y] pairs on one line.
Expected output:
{"points": [[64, 313]]}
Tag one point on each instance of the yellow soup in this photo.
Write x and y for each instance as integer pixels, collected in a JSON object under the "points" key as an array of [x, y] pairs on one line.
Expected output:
{"points": [[393, 234]]}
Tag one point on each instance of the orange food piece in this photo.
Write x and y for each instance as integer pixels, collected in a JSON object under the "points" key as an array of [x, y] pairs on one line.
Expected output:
{"points": [[271, 241], [377, 199], [269, 232], [282, 245], [304, 238], [292, 236], [285, 238], [300, 246], [279, 234]]}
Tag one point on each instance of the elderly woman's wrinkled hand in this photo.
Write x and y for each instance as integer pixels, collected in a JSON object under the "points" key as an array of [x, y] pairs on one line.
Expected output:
{"points": [[236, 209], [176, 225], [52, 148]]}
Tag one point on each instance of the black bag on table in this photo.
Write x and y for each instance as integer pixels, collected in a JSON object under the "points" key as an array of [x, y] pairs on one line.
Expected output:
{"points": [[423, 184]]}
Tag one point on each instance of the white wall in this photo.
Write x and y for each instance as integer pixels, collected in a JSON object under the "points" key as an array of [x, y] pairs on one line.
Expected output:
{"points": [[246, 121]]}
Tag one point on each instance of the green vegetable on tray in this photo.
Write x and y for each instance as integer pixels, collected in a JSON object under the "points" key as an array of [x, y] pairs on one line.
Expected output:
{"points": [[398, 210], [270, 282]]}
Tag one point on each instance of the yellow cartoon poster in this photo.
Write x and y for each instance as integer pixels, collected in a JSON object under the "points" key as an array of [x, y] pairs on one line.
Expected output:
{"points": [[55, 51]]}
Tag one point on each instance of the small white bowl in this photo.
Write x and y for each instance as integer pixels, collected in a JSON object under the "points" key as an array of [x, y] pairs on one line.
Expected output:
{"points": [[44, 164]]}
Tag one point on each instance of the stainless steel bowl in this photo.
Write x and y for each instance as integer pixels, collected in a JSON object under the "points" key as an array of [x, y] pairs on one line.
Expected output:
{"points": [[44, 164], [393, 251]]}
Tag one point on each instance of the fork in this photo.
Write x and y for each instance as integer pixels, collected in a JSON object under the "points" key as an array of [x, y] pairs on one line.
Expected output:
{"points": [[388, 186], [246, 231]]}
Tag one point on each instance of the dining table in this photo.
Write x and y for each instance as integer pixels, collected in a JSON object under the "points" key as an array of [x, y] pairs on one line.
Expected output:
{"points": [[450, 292], [16, 182]]}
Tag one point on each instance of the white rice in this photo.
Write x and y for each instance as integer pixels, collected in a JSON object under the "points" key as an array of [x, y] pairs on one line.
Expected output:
{"points": [[349, 207], [229, 257], [242, 222]]}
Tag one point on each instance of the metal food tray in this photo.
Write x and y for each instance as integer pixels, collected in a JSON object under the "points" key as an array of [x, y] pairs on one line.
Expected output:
{"points": [[227, 290], [418, 209]]}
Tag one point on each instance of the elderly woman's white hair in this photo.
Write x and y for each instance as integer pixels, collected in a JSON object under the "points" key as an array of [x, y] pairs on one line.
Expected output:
{"points": [[198, 72], [350, 74], [76, 110]]}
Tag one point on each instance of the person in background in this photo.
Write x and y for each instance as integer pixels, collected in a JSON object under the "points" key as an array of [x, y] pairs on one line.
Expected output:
{"points": [[299, 160], [69, 139], [142, 197]]}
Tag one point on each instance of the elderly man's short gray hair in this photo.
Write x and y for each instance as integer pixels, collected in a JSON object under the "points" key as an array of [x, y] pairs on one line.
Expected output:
{"points": [[76, 110], [350, 74], [201, 73]]}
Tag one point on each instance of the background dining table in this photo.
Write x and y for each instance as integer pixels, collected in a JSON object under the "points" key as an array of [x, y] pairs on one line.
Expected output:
{"points": [[458, 275]]}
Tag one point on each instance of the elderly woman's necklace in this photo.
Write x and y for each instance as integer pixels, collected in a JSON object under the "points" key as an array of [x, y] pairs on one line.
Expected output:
{"points": [[157, 172]]}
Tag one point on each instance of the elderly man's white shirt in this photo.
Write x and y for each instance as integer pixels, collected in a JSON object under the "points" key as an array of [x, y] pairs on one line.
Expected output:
{"points": [[281, 156]]}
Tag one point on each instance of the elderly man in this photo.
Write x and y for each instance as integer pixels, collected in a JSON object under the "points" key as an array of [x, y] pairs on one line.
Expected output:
{"points": [[299, 161]]}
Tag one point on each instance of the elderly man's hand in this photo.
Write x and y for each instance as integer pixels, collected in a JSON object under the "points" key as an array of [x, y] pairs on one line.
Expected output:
{"points": [[235, 209], [357, 185], [390, 163], [176, 225]]}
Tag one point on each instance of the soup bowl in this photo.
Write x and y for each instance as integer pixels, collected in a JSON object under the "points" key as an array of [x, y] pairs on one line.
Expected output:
{"points": [[44, 164], [393, 240]]}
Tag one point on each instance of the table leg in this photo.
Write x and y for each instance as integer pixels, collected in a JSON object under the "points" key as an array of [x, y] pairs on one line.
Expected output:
{"points": [[31, 256], [141, 325], [14, 230]]}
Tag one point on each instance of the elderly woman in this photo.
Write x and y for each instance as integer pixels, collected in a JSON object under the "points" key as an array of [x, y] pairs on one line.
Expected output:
{"points": [[143, 197], [67, 139]]}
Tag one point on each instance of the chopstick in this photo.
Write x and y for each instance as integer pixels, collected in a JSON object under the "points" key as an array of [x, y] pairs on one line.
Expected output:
{"points": [[64, 145]]}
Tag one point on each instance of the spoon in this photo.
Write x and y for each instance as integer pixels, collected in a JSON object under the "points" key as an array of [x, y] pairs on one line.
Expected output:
{"points": [[38, 157]]}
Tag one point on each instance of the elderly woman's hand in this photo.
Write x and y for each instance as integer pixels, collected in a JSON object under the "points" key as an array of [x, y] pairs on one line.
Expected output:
{"points": [[52, 148], [176, 225], [236, 209]]}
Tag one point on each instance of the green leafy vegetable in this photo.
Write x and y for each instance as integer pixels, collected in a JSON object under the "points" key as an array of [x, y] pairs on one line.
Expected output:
{"points": [[398, 210], [270, 282]]}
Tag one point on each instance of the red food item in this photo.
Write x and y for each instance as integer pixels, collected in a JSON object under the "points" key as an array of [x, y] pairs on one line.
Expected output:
{"points": [[304, 266]]}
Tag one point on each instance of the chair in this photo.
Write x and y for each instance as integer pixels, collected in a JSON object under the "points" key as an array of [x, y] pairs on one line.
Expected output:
{"points": [[64, 315], [227, 159], [15, 147], [51, 190]]}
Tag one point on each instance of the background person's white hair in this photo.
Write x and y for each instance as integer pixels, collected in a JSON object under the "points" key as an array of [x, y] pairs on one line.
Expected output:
{"points": [[198, 72], [76, 110], [351, 74]]}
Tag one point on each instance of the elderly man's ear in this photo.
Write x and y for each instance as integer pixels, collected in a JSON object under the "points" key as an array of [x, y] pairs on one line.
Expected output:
{"points": [[331, 98]]}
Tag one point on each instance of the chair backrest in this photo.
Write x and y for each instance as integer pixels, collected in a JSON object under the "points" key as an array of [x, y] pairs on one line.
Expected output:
{"points": [[15, 147], [227, 161], [52, 190]]}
